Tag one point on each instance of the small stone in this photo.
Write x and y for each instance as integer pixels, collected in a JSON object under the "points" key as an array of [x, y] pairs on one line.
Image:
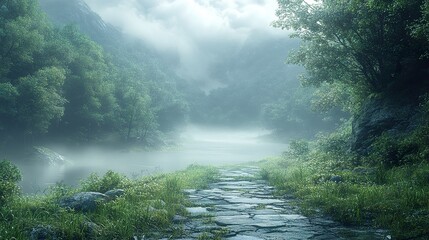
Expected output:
{"points": [[336, 179], [91, 229], [189, 191], [197, 210], [41, 232], [179, 219]]}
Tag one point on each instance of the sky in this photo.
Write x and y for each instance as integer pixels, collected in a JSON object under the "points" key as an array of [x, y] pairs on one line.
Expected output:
{"points": [[198, 33]]}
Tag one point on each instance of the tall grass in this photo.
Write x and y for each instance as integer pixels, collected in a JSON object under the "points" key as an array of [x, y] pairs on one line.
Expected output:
{"points": [[375, 191], [146, 209]]}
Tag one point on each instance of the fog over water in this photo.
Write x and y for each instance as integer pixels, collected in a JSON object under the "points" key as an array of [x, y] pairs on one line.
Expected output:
{"points": [[198, 145]]}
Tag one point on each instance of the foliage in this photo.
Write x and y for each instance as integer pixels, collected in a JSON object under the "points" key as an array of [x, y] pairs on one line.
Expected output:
{"points": [[362, 42], [388, 189], [146, 209], [110, 180], [9, 177], [58, 82], [88, 88], [40, 101]]}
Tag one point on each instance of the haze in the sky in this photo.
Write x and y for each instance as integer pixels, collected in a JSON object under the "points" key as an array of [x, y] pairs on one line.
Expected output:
{"points": [[198, 34]]}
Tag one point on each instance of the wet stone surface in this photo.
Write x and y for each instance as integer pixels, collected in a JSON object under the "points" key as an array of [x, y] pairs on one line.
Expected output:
{"points": [[240, 208]]}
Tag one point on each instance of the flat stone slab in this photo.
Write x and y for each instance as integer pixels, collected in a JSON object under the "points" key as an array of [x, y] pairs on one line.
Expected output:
{"points": [[244, 237], [244, 220], [280, 217], [249, 211], [250, 200], [237, 207], [197, 210]]}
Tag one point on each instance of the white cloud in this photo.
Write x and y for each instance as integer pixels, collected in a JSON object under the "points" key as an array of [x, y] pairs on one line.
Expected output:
{"points": [[199, 32]]}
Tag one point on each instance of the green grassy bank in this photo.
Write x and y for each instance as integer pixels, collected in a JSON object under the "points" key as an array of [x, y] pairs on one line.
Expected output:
{"points": [[387, 189], [146, 209]]}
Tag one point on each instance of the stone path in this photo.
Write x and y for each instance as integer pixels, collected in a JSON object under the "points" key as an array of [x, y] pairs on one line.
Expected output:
{"points": [[242, 208]]}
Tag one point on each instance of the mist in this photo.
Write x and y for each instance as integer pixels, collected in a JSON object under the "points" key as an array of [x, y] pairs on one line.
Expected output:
{"points": [[214, 119], [156, 86], [168, 84], [198, 145], [193, 36]]}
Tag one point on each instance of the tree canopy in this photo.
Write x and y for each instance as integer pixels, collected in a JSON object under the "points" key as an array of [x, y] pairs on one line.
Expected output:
{"points": [[55, 81], [381, 45]]}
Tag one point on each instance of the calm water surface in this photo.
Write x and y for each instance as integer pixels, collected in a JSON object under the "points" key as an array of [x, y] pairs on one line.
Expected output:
{"points": [[198, 145]]}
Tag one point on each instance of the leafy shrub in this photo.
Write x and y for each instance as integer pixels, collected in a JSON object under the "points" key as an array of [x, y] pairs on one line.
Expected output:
{"points": [[9, 176], [336, 142], [421, 176], [109, 181], [299, 148], [392, 151]]}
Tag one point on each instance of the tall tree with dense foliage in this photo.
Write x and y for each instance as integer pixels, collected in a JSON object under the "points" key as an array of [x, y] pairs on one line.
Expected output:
{"points": [[30, 88], [57, 81], [361, 42], [89, 88]]}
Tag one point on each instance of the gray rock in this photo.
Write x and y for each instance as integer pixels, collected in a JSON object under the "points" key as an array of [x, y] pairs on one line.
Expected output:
{"points": [[91, 229], [114, 193], [84, 201], [197, 210], [250, 200], [336, 179], [41, 232], [47, 156], [179, 219], [380, 116], [244, 237]]}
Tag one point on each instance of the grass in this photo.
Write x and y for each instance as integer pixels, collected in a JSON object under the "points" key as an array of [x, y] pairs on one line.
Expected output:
{"points": [[388, 188], [395, 198], [146, 208]]}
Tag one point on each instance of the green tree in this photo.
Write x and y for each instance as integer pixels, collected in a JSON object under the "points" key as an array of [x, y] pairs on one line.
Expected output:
{"points": [[22, 29], [88, 88], [137, 115], [40, 100], [358, 41]]}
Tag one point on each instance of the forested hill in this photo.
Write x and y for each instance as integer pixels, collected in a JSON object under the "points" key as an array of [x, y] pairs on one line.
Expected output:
{"points": [[133, 57], [57, 82], [256, 87]]}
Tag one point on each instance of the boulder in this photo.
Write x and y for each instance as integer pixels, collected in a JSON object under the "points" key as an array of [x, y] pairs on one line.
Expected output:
{"points": [[379, 116], [41, 232], [114, 193], [84, 201], [45, 155]]}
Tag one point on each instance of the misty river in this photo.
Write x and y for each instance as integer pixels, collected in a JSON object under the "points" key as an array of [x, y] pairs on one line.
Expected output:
{"points": [[198, 145]]}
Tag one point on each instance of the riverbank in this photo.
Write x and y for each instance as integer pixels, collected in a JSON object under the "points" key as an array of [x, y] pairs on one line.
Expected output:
{"points": [[145, 207]]}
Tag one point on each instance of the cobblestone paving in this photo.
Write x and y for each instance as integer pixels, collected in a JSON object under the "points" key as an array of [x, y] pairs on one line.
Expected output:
{"points": [[241, 208]]}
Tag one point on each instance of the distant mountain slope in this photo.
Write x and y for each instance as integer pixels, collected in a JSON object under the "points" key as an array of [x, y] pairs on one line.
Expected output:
{"points": [[161, 82], [64, 12]]}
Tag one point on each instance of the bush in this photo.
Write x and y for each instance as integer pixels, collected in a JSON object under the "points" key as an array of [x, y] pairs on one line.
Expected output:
{"points": [[299, 148], [9, 176], [109, 181]]}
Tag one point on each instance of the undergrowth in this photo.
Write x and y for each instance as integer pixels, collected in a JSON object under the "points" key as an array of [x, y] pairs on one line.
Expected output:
{"points": [[146, 209], [389, 188]]}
